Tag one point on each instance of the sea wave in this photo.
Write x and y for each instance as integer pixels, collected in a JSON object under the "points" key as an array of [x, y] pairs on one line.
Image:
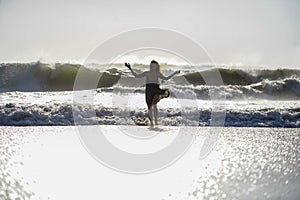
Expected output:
{"points": [[270, 83], [30, 77], [246, 76], [285, 89]]}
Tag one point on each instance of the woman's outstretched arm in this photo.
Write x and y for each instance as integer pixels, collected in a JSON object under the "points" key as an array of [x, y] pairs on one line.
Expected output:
{"points": [[134, 73], [168, 77]]}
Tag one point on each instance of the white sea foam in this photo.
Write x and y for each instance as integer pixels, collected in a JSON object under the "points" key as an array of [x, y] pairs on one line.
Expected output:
{"points": [[56, 108]]}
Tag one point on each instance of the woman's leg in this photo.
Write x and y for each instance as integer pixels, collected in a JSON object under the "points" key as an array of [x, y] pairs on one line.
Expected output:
{"points": [[155, 113], [150, 112]]}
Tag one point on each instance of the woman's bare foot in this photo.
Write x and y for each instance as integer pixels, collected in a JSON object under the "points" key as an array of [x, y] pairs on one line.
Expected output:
{"points": [[151, 125]]}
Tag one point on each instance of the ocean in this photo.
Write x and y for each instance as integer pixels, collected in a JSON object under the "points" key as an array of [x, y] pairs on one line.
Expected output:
{"points": [[256, 154], [36, 94]]}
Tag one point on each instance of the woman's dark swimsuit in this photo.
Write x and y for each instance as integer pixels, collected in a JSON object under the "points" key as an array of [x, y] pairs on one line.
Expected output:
{"points": [[154, 94]]}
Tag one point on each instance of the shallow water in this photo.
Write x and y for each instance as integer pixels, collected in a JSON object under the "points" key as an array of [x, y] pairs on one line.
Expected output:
{"points": [[108, 108], [246, 163]]}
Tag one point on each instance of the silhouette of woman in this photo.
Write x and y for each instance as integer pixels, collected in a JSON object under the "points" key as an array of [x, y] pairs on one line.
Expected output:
{"points": [[153, 92]]}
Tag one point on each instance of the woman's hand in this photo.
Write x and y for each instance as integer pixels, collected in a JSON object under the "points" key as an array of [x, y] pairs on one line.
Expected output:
{"points": [[127, 65]]}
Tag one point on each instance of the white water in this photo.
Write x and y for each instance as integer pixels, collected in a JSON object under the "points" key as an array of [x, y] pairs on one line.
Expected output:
{"points": [[55, 108]]}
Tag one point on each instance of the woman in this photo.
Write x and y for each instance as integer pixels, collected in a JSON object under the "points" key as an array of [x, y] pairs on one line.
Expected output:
{"points": [[153, 92]]}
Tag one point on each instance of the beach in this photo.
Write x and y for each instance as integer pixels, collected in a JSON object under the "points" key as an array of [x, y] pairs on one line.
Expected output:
{"points": [[149, 100], [246, 163], [239, 140]]}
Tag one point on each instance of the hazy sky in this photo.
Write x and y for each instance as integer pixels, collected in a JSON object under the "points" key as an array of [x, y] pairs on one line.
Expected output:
{"points": [[260, 32]]}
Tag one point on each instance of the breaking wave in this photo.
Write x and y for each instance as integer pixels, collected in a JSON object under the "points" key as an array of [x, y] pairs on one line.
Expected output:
{"points": [[238, 83]]}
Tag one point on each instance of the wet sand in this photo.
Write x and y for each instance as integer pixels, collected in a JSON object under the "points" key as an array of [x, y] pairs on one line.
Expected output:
{"points": [[246, 163]]}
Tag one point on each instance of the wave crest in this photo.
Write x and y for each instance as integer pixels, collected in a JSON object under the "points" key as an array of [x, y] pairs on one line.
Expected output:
{"points": [[238, 83]]}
